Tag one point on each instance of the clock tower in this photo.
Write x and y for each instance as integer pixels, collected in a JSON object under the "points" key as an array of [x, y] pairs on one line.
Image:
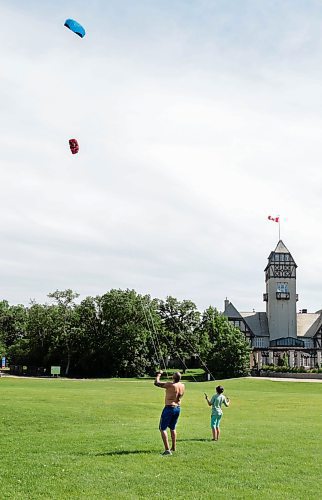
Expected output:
{"points": [[281, 296]]}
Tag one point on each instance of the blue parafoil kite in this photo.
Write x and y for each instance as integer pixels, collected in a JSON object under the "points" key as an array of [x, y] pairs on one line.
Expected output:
{"points": [[75, 27]]}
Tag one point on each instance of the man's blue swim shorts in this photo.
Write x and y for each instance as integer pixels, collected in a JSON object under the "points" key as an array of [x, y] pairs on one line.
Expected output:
{"points": [[169, 417]]}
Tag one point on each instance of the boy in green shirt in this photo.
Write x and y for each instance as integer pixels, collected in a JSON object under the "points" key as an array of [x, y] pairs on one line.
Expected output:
{"points": [[216, 414]]}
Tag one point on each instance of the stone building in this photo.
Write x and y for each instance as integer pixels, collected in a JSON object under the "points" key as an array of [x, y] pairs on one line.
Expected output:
{"points": [[280, 332]]}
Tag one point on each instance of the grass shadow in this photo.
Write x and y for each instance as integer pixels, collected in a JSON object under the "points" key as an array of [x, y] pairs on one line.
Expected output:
{"points": [[122, 452], [200, 440], [139, 452]]}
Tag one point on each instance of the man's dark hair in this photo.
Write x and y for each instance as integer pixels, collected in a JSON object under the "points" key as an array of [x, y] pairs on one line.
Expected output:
{"points": [[219, 389], [177, 377]]}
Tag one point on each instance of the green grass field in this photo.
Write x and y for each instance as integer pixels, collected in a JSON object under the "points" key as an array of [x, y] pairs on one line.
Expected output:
{"points": [[99, 439]]}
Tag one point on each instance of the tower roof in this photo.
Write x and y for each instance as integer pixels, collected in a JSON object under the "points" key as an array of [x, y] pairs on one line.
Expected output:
{"points": [[276, 257], [281, 248]]}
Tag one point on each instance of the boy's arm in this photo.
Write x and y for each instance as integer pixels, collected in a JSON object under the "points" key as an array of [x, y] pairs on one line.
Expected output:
{"points": [[209, 402]]}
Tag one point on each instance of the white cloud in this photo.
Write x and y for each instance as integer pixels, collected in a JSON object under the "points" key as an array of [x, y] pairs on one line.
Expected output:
{"points": [[190, 135]]}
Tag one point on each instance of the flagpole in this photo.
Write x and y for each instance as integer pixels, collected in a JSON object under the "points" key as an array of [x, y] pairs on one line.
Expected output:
{"points": [[276, 219]]}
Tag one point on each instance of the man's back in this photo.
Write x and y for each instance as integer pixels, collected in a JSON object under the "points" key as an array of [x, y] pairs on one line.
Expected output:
{"points": [[174, 391]]}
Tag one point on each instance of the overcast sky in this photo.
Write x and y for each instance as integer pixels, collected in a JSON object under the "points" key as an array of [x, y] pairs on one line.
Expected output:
{"points": [[196, 119]]}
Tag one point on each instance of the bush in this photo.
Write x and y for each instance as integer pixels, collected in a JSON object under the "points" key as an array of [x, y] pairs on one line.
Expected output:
{"points": [[286, 369]]}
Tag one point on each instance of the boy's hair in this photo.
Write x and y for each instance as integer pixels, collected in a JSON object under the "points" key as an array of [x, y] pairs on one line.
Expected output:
{"points": [[219, 389], [177, 377]]}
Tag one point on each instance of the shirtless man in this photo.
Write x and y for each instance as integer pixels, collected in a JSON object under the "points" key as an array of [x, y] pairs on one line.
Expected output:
{"points": [[173, 393]]}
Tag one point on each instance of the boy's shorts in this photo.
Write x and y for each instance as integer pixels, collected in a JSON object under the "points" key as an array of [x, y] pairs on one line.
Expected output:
{"points": [[215, 420], [169, 417]]}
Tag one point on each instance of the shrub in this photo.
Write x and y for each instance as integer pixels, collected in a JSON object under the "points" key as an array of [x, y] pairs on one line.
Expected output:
{"points": [[287, 369]]}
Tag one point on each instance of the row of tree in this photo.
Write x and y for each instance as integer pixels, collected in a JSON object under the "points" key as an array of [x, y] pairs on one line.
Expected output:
{"points": [[120, 334]]}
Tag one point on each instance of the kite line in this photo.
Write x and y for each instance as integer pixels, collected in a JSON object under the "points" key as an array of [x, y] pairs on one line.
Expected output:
{"points": [[157, 344]]}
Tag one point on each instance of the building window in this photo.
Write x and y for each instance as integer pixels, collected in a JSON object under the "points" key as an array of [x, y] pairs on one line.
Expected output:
{"points": [[282, 287], [260, 342], [239, 323], [305, 361], [287, 342], [265, 358]]}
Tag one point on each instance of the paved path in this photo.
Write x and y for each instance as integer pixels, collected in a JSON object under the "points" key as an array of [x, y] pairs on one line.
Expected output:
{"points": [[280, 379], [273, 379]]}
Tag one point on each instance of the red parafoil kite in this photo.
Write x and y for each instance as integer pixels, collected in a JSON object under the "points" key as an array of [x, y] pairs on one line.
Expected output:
{"points": [[74, 147]]}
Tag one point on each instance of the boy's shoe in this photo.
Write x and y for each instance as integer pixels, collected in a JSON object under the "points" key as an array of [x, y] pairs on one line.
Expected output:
{"points": [[166, 452]]}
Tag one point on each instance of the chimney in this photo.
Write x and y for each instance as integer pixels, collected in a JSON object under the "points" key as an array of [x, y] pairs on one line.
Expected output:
{"points": [[226, 303]]}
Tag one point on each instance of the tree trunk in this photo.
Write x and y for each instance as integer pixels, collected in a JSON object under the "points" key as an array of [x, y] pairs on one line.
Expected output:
{"points": [[68, 364]]}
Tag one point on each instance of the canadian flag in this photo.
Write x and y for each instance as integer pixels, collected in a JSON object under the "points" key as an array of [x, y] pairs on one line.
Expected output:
{"points": [[274, 219]]}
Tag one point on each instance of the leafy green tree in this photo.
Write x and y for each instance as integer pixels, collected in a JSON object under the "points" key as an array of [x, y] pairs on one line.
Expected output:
{"points": [[228, 351], [127, 320], [3, 348], [89, 319], [180, 321], [120, 333], [68, 333], [40, 333], [19, 352], [12, 322]]}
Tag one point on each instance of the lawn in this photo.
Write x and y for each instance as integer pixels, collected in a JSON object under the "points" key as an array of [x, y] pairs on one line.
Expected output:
{"points": [[99, 439]]}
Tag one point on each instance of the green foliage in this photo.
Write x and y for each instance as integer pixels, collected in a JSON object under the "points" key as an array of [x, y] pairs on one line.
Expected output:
{"points": [[12, 322], [3, 348], [68, 333], [228, 351], [40, 331], [282, 361], [19, 352], [119, 334], [126, 346], [180, 321], [288, 369]]}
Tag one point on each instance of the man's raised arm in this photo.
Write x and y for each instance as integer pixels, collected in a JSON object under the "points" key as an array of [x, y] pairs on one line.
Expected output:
{"points": [[157, 379]]}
